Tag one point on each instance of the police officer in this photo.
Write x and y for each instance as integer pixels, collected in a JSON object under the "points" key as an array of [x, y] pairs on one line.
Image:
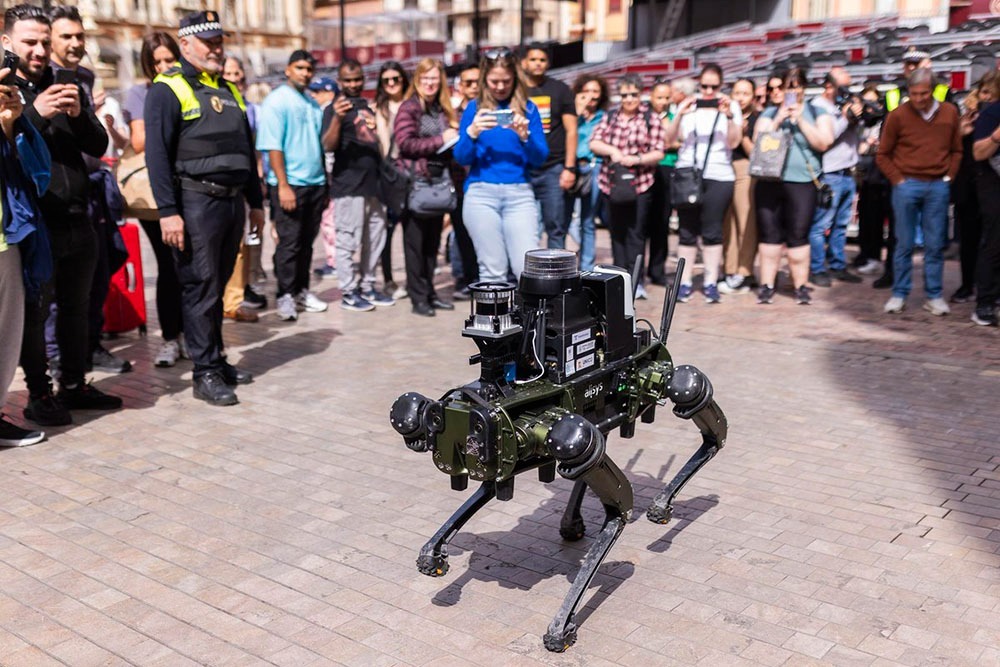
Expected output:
{"points": [[199, 153], [912, 59]]}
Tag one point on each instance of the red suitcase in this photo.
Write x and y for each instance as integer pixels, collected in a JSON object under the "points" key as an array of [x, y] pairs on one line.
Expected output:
{"points": [[125, 307]]}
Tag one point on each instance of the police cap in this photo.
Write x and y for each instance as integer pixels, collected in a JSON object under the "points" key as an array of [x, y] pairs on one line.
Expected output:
{"points": [[205, 25]]}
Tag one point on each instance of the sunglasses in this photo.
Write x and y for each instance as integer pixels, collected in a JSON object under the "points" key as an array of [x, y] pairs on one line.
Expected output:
{"points": [[391, 80], [773, 88], [493, 55], [626, 96], [708, 86]]}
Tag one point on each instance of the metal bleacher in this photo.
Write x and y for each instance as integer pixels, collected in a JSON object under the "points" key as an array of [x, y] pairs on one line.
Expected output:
{"points": [[870, 48]]}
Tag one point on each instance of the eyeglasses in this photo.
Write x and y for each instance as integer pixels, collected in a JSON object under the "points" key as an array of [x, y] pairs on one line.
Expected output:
{"points": [[391, 80], [429, 79], [503, 53], [709, 86], [626, 96]]}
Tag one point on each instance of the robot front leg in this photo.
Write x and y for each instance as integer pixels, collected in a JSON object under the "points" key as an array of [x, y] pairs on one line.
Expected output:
{"points": [[579, 448], [433, 558], [572, 528], [691, 393]]}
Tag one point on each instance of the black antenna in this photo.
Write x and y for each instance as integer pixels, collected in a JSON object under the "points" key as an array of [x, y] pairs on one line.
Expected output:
{"points": [[670, 302], [636, 275]]}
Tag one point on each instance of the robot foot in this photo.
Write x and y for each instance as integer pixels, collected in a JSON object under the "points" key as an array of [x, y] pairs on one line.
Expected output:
{"points": [[559, 642], [572, 531], [659, 514], [432, 565]]}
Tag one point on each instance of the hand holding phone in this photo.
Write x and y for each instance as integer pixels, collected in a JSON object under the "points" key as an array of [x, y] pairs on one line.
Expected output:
{"points": [[504, 117], [64, 76], [10, 63], [791, 99]]}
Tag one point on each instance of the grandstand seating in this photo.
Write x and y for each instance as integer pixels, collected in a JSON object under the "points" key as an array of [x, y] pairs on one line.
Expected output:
{"points": [[871, 48]]}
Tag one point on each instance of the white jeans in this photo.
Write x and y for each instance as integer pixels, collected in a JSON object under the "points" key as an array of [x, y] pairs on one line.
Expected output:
{"points": [[502, 221]]}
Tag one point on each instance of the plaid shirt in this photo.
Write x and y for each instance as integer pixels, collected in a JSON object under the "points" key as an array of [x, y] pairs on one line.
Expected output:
{"points": [[632, 136]]}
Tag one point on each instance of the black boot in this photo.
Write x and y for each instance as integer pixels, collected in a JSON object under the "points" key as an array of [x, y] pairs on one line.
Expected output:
{"points": [[234, 376]]}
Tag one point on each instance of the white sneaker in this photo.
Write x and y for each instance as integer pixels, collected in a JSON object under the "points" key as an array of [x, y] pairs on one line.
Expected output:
{"points": [[168, 354], [640, 293], [734, 284], [286, 308], [937, 307], [895, 304], [310, 302], [870, 267], [400, 293]]}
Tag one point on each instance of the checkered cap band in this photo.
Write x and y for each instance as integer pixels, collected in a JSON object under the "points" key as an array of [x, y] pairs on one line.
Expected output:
{"points": [[208, 26]]}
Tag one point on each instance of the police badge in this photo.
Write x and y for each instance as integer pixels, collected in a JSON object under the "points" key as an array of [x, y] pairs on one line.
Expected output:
{"points": [[216, 104]]}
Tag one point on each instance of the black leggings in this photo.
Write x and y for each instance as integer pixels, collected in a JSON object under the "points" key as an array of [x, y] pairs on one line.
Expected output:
{"points": [[784, 212], [168, 287], [706, 220]]}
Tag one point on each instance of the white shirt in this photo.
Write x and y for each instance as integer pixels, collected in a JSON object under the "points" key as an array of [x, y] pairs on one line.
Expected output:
{"points": [[695, 129]]}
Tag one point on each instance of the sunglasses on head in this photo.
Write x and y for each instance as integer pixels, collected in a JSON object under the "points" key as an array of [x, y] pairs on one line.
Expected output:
{"points": [[493, 55], [391, 80]]}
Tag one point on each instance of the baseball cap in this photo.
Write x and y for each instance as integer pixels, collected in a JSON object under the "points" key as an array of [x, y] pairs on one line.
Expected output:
{"points": [[201, 24], [324, 84]]}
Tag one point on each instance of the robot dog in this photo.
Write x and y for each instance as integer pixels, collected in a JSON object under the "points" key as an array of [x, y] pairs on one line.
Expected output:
{"points": [[563, 362]]}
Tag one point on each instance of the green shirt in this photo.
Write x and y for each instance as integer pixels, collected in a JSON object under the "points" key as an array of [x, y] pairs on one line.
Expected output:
{"points": [[670, 158]]}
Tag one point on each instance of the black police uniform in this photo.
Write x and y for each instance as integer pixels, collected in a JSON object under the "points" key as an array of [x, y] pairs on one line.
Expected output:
{"points": [[201, 167]]}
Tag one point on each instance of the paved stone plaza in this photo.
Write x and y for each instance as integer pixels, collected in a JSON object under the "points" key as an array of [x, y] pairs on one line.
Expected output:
{"points": [[852, 519]]}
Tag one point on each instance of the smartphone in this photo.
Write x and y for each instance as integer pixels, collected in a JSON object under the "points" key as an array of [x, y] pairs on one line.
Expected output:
{"points": [[360, 104], [710, 103], [791, 99], [10, 61], [64, 76], [504, 117]]}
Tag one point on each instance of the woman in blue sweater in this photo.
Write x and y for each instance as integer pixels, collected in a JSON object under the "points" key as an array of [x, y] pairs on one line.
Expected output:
{"points": [[500, 140]]}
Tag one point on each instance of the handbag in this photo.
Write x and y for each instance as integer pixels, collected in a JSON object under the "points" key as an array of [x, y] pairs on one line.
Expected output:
{"points": [[432, 197], [622, 181], [824, 193], [686, 187], [393, 182], [136, 190], [583, 185], [769, 155]]}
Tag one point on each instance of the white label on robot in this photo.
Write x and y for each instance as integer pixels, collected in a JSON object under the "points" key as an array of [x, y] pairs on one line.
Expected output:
{"points": [[585, 362], [569, 353], [581, 336], [586, 347], [570, 368]]}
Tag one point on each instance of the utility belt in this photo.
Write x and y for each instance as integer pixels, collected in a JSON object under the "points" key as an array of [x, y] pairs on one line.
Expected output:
{"points": [[208, 188]]}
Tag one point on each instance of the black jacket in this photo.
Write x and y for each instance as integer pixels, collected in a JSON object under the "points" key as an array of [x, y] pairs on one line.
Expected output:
{"points": [[65, 202]]}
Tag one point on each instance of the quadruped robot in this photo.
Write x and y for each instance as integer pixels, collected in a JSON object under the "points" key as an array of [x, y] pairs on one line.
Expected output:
{"points": [[562, 362]]}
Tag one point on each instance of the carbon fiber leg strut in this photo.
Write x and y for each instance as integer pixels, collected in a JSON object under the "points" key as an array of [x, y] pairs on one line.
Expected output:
{"points": [[433, 558], [580, 449]]}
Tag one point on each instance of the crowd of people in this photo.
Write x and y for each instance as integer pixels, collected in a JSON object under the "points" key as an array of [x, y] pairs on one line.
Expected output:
{"points": [[509, 157]]}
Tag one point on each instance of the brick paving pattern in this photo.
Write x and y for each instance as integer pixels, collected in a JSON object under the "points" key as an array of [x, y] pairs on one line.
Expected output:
{"points": [[853, 518]]}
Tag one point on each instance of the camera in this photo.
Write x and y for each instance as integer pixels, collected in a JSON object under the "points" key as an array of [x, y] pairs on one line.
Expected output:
{"points": [[563, 361]]}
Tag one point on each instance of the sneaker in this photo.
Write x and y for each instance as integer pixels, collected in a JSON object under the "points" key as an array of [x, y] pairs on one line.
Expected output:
{"points": [[253, 299], [640, 293], [684, 293], [399, 293], [310, 303], [883, 282], [286, 308], [12, 435], [390, 287], [168, 354], [212, 388], [802, 296], [895, 304], [86, 396], [962, 295], [378, 299], [870, 267], [711, 293], [734, 284], [845, 276], [46, 410], [821, 279], [102, 360], [356, 302], [937, 307], [985, 316], [765, 294], [325, 271]]}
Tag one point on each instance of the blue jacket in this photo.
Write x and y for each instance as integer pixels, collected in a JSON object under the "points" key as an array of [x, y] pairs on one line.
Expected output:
{"points": [[499, 155], [26, 174]]}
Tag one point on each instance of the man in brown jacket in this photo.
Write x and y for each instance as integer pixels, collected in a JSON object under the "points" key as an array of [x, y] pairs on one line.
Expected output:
{"points": [[920, 151]]}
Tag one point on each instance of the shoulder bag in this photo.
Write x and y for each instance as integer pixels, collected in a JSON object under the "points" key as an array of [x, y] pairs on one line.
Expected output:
{"points": [[769, 155], [133, 181], [622, 178], [686, 186]]}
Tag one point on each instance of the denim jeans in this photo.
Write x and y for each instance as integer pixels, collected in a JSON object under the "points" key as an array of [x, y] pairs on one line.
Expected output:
{"points": [[503, 223], [584, 232], [554, 204], [835, 219], [919, 204]]}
